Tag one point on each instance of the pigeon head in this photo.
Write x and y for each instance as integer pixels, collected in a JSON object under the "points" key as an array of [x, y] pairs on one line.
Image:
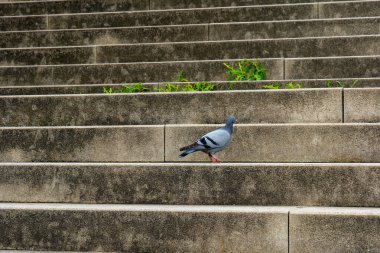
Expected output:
{"points": [[230, 122]]}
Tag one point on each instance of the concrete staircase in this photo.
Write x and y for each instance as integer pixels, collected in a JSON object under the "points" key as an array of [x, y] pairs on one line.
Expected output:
{"points": [[86, 171]]}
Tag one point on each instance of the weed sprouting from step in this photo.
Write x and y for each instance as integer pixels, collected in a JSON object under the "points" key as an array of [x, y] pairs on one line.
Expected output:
{"points": [[126, 88], [341, 84], [277, 85], [189, 87], [247, 70]]}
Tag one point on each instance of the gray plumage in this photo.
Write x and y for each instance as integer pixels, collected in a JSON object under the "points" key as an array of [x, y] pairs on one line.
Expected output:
{"points": [[212, 142]]}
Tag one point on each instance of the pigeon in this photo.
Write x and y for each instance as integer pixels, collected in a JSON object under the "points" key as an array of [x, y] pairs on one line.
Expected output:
{"points": [[212, 142]]}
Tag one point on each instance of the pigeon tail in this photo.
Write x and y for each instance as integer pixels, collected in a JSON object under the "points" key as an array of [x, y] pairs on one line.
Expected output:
{"points": [[187, 152], [189, 147]]}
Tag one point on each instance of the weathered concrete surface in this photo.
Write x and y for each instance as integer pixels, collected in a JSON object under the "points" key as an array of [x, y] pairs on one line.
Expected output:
{"points": [[348, 230], [23, 23], [108, 36], [82, 144], [185, 16], [295, 68], [349, 9], [348, 67], [362, 105], [70, 6], [226, 31], [283, 143], [193, 184], [175, 4], [48, 56], [295, 28], [312, 106], [180, 51], [143, 228], [126, 73], [220, 85], [288, 48]]}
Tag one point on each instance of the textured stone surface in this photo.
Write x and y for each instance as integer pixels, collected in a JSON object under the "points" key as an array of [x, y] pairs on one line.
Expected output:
{"points": [[70, 6], [82, 144], [126, 73], [316, 47], [284, 143], [220, 85], [23, 23], [227, 31], [348, 67], [305, 47], [349, 9], [195, 16], [323, 230], [193, 184], [175, 4], [320, 105], [79, 37], [143, 228], [295, 28], [48, 56], [362, 105]]}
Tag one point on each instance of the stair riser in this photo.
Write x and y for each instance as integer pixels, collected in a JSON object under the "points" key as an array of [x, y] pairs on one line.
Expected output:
{"points": [[294, 29], [251, 143], [195, 16], [55, 7], [283, 143], [323, 106], [52, 7], [125, 73], [133, 231], [249, 85], [318, 47], [342, 232], [174, 4], [305, 68], [296, 185], [83, 144], [362, 105], [212, 32]]}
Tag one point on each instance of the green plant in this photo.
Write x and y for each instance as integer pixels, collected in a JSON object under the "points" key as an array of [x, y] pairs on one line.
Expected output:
{"points": [[246, 71], [276, 86], [199, 86], [169, 88], [341, 84], [135, 88], [290, 85], [107, 90], [181, 78], [230, 86], [273, 86]]}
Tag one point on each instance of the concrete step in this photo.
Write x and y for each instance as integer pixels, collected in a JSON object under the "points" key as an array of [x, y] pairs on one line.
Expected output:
{"points": [[173, 4], [362, 105], [198, 32], [183, 51], [341, 229], [196, 228], [15, 8], [277, 69], [128, 228], [193, 184], [314, 106], [34, 7], [152, 87], [191, 16], [251, 143]]}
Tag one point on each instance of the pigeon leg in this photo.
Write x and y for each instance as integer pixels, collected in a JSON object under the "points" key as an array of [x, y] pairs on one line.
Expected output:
{"points": [[214, 159]]}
